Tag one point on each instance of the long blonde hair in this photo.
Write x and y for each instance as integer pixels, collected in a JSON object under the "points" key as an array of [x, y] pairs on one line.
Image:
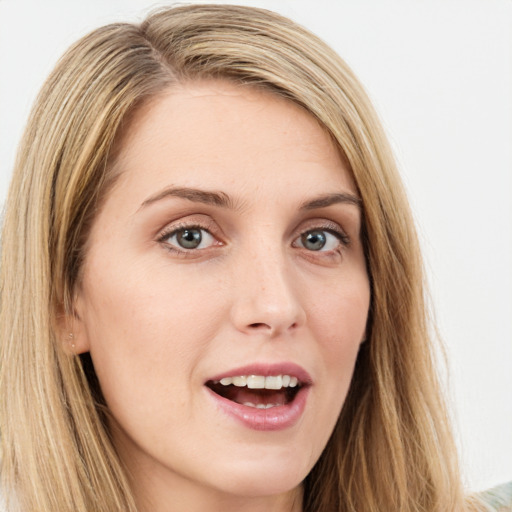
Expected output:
{"points": [[391, 449]]}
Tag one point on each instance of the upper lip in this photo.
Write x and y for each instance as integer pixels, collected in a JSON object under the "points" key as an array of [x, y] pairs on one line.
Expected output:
{"points": [[266, 370]]}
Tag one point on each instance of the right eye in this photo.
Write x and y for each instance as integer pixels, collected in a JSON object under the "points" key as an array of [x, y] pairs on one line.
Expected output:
{"points": [[189, 238]]}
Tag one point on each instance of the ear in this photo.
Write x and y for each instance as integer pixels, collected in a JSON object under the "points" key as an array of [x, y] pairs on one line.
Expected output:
{"points": [[71, 330]]}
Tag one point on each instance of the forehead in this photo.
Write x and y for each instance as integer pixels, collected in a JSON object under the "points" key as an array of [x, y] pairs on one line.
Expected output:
{"points": [[218, 134]]}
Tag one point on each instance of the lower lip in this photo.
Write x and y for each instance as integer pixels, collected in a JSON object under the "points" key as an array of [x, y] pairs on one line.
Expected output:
{"points": [[276, 418]]}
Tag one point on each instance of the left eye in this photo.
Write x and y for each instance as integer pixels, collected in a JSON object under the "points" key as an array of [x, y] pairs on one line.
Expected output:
{"points": [[190, 238], [318, 240]]}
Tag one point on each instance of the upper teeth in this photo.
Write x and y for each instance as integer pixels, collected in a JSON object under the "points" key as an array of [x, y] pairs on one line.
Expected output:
{"points": [[261, 382]]}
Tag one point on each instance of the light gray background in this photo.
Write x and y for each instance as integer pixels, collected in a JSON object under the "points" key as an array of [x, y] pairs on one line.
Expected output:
{"points": [[440, 75]]}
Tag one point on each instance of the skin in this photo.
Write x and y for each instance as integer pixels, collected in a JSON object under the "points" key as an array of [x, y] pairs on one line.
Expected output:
{"points": [[159, 320]]}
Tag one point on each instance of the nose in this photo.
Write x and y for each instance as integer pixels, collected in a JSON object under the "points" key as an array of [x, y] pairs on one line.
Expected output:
{"points": [[267, 301]]}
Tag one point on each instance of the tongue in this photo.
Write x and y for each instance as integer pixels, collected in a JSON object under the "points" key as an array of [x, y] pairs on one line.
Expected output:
{"points": [[244, 395]]}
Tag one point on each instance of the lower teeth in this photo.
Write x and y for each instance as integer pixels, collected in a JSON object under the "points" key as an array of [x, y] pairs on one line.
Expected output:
{"points": [[259, 406]]}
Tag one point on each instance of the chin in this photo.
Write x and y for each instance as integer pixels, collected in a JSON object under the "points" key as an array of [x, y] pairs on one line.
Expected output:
{"points": [[263, 479]]}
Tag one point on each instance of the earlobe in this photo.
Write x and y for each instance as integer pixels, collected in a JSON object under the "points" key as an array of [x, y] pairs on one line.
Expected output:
{"points": [[75, 341], [72, 333]]}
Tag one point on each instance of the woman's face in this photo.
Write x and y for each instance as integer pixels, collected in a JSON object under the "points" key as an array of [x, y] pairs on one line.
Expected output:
{"points": [[224, 293]]}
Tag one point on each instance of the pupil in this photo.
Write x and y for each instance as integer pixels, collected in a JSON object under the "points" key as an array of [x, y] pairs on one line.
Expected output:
{"points": [[314, 240], [189, 238]]}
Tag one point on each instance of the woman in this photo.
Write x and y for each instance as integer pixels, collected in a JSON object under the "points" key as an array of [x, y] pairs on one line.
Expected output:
{"points": [[218, 302]]}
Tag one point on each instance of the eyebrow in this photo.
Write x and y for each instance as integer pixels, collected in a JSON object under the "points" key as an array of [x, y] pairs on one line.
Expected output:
{"points": [[193, 194], [219, 198], [329, 199]]}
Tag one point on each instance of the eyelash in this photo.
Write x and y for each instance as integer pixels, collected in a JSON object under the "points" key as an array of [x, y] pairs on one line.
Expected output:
{"points": [[329, 227], [175, 229], [342, 238]]}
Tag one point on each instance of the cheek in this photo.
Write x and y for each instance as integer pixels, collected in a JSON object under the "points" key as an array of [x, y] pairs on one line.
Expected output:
{"points": [[338, 320], [340, 313], [144, 330]]}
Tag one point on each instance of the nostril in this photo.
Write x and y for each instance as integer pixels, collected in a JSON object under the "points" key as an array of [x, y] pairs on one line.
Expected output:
{"points": [[259, 325], [265, 326]]}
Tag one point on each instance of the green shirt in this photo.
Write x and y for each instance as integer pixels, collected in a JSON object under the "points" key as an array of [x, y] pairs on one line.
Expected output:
{"points": [[498, 499]]}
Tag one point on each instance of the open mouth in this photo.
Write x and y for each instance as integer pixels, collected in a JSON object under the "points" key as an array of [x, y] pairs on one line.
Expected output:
{"points": [[257, 391]]}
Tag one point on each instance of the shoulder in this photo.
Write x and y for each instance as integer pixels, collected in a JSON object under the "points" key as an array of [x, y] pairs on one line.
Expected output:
{"points": [[498, 499]]}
